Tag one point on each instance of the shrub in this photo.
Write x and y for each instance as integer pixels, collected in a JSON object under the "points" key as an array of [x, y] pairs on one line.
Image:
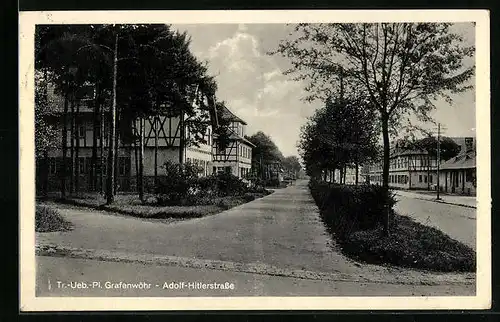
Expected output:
{"points": [[178, 185], [274, 182], [49, 220], [353, 215], [222, 184], [230, 185], [346, 209]]}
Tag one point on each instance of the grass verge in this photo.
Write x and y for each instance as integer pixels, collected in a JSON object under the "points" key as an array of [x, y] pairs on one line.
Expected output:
{"points": [[130, 205], [410, 244], [49, 220]]}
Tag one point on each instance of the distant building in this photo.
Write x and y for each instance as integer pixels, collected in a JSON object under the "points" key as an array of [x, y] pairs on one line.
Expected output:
{"points": [[408, 169], [416, 169], [458, 175], [236, 158]]}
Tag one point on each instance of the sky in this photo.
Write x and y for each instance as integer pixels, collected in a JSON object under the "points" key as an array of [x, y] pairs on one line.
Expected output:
{"points": [[252, 83]]}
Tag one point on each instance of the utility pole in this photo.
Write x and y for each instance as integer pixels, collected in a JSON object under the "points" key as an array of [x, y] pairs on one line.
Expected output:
{"points": [[438, 158], [112, 131]]}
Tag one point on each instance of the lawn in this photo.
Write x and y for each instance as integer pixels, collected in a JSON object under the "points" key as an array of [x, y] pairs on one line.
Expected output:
{"points": [[130, 204], [49, 220]]}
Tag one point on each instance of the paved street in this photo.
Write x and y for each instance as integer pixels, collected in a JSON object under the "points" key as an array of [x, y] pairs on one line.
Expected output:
{"points": [[281, 234], [282, 229], [469, 201], [456, 221], [66, 270]]}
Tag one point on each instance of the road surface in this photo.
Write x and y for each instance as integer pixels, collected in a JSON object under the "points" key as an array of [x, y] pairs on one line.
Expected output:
{"points": [[458, 222], [267, 246], [163, 281]]}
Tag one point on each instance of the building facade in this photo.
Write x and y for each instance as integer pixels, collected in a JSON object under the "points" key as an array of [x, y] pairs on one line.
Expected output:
{"points": [[416, 169], [458, 175], [408, 169], [236, 157], [166, 138]]}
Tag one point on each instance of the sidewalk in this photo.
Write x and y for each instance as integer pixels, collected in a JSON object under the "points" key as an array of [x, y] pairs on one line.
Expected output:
{"points": [[464, 201]]}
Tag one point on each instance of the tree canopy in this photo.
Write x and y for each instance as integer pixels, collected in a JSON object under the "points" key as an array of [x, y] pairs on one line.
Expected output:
{"points": [[341, 134], [265, 149], [399, 68]]}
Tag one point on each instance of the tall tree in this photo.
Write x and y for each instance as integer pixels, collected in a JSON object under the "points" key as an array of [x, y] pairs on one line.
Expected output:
{"points": [[265, 153], [339, 135], [401, 67]]}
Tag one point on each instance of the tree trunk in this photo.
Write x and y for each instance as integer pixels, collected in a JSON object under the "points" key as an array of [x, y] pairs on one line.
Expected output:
{"points": [[385, 171], [345, 173], [141, 160], [72, 148], [428, 172], [136, 157], [64, 170], [357, 173], [112, 133], [156, 151], [101, 146], [77, 149], [117, 146], [45, 188], [182, 137], [95, 129]]}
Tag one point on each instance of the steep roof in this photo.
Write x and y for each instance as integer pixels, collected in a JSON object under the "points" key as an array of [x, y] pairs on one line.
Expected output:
{"points": [[228, 115], [461, 161], [235, 136]]}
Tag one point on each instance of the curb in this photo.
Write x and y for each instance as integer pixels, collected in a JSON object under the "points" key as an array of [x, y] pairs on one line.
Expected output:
{"points": [[440, 201], [253, 268], [448, 203]]}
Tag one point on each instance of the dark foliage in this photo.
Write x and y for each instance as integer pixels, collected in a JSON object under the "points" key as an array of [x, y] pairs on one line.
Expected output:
{"points": [[223, 184], [347, 209], [411, 245], [49, 220], [354, 214], [178, 186]]}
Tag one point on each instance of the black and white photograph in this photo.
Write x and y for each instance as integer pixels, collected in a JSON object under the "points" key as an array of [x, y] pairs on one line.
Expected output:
{"points": [[254, 160]]}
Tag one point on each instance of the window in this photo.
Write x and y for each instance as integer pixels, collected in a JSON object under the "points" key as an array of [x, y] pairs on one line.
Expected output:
{"points": [[209, 137], [81, 131], [227, 170], [425, 179], [81, 165], [420, 178], [430, 178], [220, 151], [123, 166]]}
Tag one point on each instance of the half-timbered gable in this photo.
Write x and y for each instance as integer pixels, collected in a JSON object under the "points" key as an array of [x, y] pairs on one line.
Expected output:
{"points": [[167, 133], [236, 157]]}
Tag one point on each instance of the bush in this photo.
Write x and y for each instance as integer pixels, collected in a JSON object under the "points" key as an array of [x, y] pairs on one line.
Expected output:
{"points": [[271, 183], [179, 185], [49, 220], [346, 209], [222, 184], [353, 215]]}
